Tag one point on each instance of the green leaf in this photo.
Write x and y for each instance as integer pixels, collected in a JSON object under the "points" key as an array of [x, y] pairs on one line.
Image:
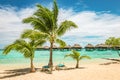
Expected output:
{"points": [[61, 42], [65, 26]]}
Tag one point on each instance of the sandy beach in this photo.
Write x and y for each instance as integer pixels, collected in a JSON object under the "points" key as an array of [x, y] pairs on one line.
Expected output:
{"points": [[93, 70]]}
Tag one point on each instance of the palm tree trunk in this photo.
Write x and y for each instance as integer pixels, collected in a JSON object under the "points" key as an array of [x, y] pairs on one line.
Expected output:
{"points": [[77, 65], [32, 66], [50, 59]]}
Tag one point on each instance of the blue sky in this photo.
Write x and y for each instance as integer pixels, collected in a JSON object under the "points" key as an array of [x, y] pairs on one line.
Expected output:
{"points": [[77, 5], [97, 20]]}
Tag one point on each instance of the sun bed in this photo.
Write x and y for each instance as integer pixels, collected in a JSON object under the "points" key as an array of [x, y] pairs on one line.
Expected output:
{"points": [[60, 67], [45, 68]]}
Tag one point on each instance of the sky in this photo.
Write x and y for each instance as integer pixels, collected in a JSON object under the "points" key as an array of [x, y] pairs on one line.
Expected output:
{"points": [[97, 20]]}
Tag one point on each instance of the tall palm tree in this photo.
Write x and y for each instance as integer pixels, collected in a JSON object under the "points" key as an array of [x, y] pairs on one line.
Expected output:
{"points": [[45, 21], [77, 56], [27, 48], [114, 42]]}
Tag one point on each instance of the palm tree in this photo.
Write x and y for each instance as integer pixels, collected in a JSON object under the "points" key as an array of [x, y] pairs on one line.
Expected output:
{"points": [[76, 56], [45, 21], [27, 48], [114, 42]]}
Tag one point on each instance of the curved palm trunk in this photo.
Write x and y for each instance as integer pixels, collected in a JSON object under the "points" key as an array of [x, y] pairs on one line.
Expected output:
{"points": [[50, 59], [32, 66], [77, 65]]}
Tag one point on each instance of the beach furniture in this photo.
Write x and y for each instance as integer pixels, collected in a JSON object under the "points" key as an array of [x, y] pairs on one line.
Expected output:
{"points": [[45, 68], [60, 67]]}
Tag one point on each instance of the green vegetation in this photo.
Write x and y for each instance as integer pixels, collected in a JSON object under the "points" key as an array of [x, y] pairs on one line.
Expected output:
{"points": [[113, 42], [27, 47], [77, 56], [45, 20]]}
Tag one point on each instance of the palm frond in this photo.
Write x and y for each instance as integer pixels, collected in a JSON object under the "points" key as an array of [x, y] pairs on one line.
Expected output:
{"points": [[45, 15], [8, 48], [61, 42], [75, 55], [39, 42], [84, 56], [55, 13], [36, 22], [68, 55], [33, 35], [65, 26]]}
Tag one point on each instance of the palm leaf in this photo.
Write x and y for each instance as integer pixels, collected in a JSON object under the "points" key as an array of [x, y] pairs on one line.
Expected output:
{"points": [[61, 42], [39, 42], [84, 56], [55, 13], [65, 26], [33, 34], [8, 48], [45, 15]]}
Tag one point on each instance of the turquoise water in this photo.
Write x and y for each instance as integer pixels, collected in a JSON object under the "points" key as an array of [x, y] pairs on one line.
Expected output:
{"points": [[58, 56]]}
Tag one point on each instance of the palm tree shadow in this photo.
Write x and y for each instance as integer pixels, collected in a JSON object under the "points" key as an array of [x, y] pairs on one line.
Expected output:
{"points": [[113, 61], [71, 68], [15, 72]]}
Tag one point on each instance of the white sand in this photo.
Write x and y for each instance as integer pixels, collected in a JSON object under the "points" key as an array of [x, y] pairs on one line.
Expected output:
{"points": [[91, 70]]}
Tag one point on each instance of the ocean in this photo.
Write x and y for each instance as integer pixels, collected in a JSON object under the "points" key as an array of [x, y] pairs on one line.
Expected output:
{"points": [[42, 56]]}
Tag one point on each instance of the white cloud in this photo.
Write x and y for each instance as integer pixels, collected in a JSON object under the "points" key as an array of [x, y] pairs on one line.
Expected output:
{"points": [[90, 24], [11, 24]]}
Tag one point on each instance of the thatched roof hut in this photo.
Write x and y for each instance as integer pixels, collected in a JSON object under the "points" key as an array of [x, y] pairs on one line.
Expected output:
{"points": [[89, 47], [76, 46], [55, 47], [67, 47], [46, 47], [101, 46], [39, 47]]}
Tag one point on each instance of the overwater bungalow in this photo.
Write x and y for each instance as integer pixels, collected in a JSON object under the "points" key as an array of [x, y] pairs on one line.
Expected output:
{"points": [[101, 47], [115, 47], [55, 47], [39, 48], [118, 47], [76, 47], [89, 47], [46, 47], [68, 47]]}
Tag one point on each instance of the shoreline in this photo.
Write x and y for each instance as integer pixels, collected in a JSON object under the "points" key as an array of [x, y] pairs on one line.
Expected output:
{"points": [[91, 70]]}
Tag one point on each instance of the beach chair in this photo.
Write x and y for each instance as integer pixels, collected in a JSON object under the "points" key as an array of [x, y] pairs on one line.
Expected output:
{"points": [[45, 68], [60, 67]]}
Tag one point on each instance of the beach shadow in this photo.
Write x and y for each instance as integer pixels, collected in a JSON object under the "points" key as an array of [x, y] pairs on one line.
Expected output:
{"points": [[118, 60], [72, 68], [114, 61], [15, 72], [108, 63]]}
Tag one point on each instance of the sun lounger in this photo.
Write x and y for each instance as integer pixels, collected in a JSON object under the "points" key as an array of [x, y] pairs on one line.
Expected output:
{"points": [[60, 67], [45, 68]]}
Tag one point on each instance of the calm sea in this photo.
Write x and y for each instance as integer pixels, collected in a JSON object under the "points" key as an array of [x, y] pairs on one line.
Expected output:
{"points": [[58, 56]]}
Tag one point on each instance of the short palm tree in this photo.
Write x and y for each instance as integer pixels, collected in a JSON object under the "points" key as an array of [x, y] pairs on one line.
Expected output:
{"points": [[114, 42], [27, 48], [45, 21], [76, 56]]}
